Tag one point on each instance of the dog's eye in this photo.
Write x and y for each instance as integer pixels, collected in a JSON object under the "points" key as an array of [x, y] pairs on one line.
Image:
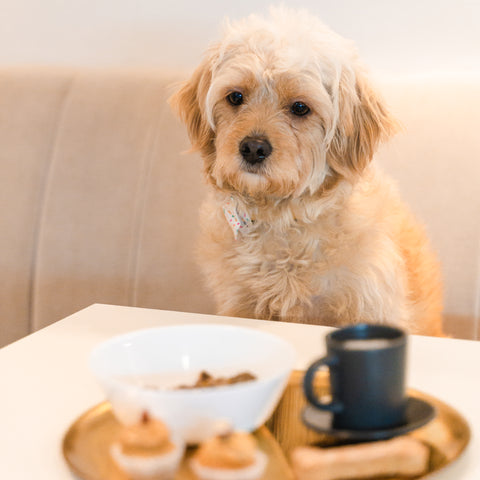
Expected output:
{"points": [[299, 109], [235, 98]]}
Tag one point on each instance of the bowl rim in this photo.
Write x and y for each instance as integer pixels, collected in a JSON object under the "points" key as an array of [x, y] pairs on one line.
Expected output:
{"points": [[115, 382]]}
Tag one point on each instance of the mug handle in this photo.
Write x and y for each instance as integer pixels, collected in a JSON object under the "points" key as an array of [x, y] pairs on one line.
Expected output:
{"points": [[335, 406]]}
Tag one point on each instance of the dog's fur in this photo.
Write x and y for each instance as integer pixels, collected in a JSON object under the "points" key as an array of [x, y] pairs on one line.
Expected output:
{"points": [[331, 242]]}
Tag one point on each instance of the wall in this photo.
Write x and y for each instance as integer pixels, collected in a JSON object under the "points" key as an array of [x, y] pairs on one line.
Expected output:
{"points": [[410, 36]]}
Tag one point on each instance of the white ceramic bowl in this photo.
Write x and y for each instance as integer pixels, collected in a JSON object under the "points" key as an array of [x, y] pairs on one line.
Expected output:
{"points": [[128, 365]]}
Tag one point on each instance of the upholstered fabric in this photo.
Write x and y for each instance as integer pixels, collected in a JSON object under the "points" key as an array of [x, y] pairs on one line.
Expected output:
{"points": [[99, 204], [436, 163]]}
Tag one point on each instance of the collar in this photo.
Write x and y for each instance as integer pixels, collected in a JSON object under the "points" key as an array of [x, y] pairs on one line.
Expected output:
{"points": [[238, 220]]}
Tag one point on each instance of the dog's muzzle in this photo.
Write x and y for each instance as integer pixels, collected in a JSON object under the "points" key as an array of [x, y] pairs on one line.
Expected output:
{"points": [[255, 150]]}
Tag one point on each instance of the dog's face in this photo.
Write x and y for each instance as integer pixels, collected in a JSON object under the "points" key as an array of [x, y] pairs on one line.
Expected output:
{"points": [[278, 106]]}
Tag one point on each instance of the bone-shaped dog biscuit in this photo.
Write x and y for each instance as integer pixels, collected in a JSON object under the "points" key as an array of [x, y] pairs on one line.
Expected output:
{"points": [[403, 456]]}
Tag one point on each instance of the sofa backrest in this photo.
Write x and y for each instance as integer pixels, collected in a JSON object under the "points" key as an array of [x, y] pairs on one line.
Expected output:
{"points": [[435, 161], [99, 204]]}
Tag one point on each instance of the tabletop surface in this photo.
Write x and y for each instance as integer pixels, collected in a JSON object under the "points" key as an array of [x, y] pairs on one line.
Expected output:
{"points": [[46, 382]]}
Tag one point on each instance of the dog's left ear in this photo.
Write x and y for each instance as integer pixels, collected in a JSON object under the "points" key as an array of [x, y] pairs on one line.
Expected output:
{"points": [[189, 103], [363, 122]]}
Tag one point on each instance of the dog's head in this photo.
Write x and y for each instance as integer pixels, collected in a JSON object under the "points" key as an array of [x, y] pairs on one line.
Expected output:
{"points": [[279, 105]]}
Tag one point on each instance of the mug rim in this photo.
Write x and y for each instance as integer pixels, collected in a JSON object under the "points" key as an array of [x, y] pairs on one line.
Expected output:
{"points": [[398, 336]]}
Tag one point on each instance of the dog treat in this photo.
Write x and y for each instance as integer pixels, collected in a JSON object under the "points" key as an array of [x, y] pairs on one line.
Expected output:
{"points": [[229, 456], [207, 380], [147, 451], [402, 456], [172, 381]]}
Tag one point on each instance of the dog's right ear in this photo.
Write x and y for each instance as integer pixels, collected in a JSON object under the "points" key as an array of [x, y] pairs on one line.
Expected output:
{"points": [[189, 104]]}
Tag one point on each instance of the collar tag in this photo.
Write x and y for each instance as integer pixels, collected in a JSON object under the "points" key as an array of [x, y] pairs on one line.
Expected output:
{"points": [[239, 222]]}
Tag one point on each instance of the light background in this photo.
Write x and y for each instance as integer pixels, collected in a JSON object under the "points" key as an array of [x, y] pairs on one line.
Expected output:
{"points": [[394, 37]]}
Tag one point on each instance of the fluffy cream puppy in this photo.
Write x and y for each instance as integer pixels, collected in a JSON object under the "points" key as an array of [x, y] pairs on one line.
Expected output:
{"points": [[299, 225]]}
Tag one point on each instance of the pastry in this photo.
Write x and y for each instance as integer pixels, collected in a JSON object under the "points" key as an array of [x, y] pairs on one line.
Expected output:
{"points": [[229, 456], [147, 450]]}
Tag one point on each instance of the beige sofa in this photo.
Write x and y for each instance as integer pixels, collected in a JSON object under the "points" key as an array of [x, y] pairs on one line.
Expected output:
{"points": [[98, 203]]}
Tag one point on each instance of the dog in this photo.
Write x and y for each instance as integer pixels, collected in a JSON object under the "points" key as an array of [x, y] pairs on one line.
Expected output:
{"points": [[299, 224]]}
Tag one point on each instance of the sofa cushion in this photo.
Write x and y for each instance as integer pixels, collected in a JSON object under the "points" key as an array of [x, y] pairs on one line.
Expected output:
{"points": [[98, 203]]}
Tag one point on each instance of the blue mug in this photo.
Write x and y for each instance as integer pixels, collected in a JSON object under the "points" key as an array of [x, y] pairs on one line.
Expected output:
{"points": [[367, 365]]}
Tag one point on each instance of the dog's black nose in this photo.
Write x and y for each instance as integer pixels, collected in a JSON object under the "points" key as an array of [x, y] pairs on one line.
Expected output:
{"points": [[255, 149]]}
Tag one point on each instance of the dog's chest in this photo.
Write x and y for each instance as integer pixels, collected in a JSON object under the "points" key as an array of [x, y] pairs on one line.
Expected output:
{"points": [[283, 272], [294, 252], [315, 258]]}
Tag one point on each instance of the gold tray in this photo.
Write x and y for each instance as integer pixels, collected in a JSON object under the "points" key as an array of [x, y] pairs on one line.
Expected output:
{"points": [[446, 435], [87, 442]]}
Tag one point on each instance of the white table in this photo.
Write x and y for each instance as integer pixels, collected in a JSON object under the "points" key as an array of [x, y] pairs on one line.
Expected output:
{"points": [[46, 383]]}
